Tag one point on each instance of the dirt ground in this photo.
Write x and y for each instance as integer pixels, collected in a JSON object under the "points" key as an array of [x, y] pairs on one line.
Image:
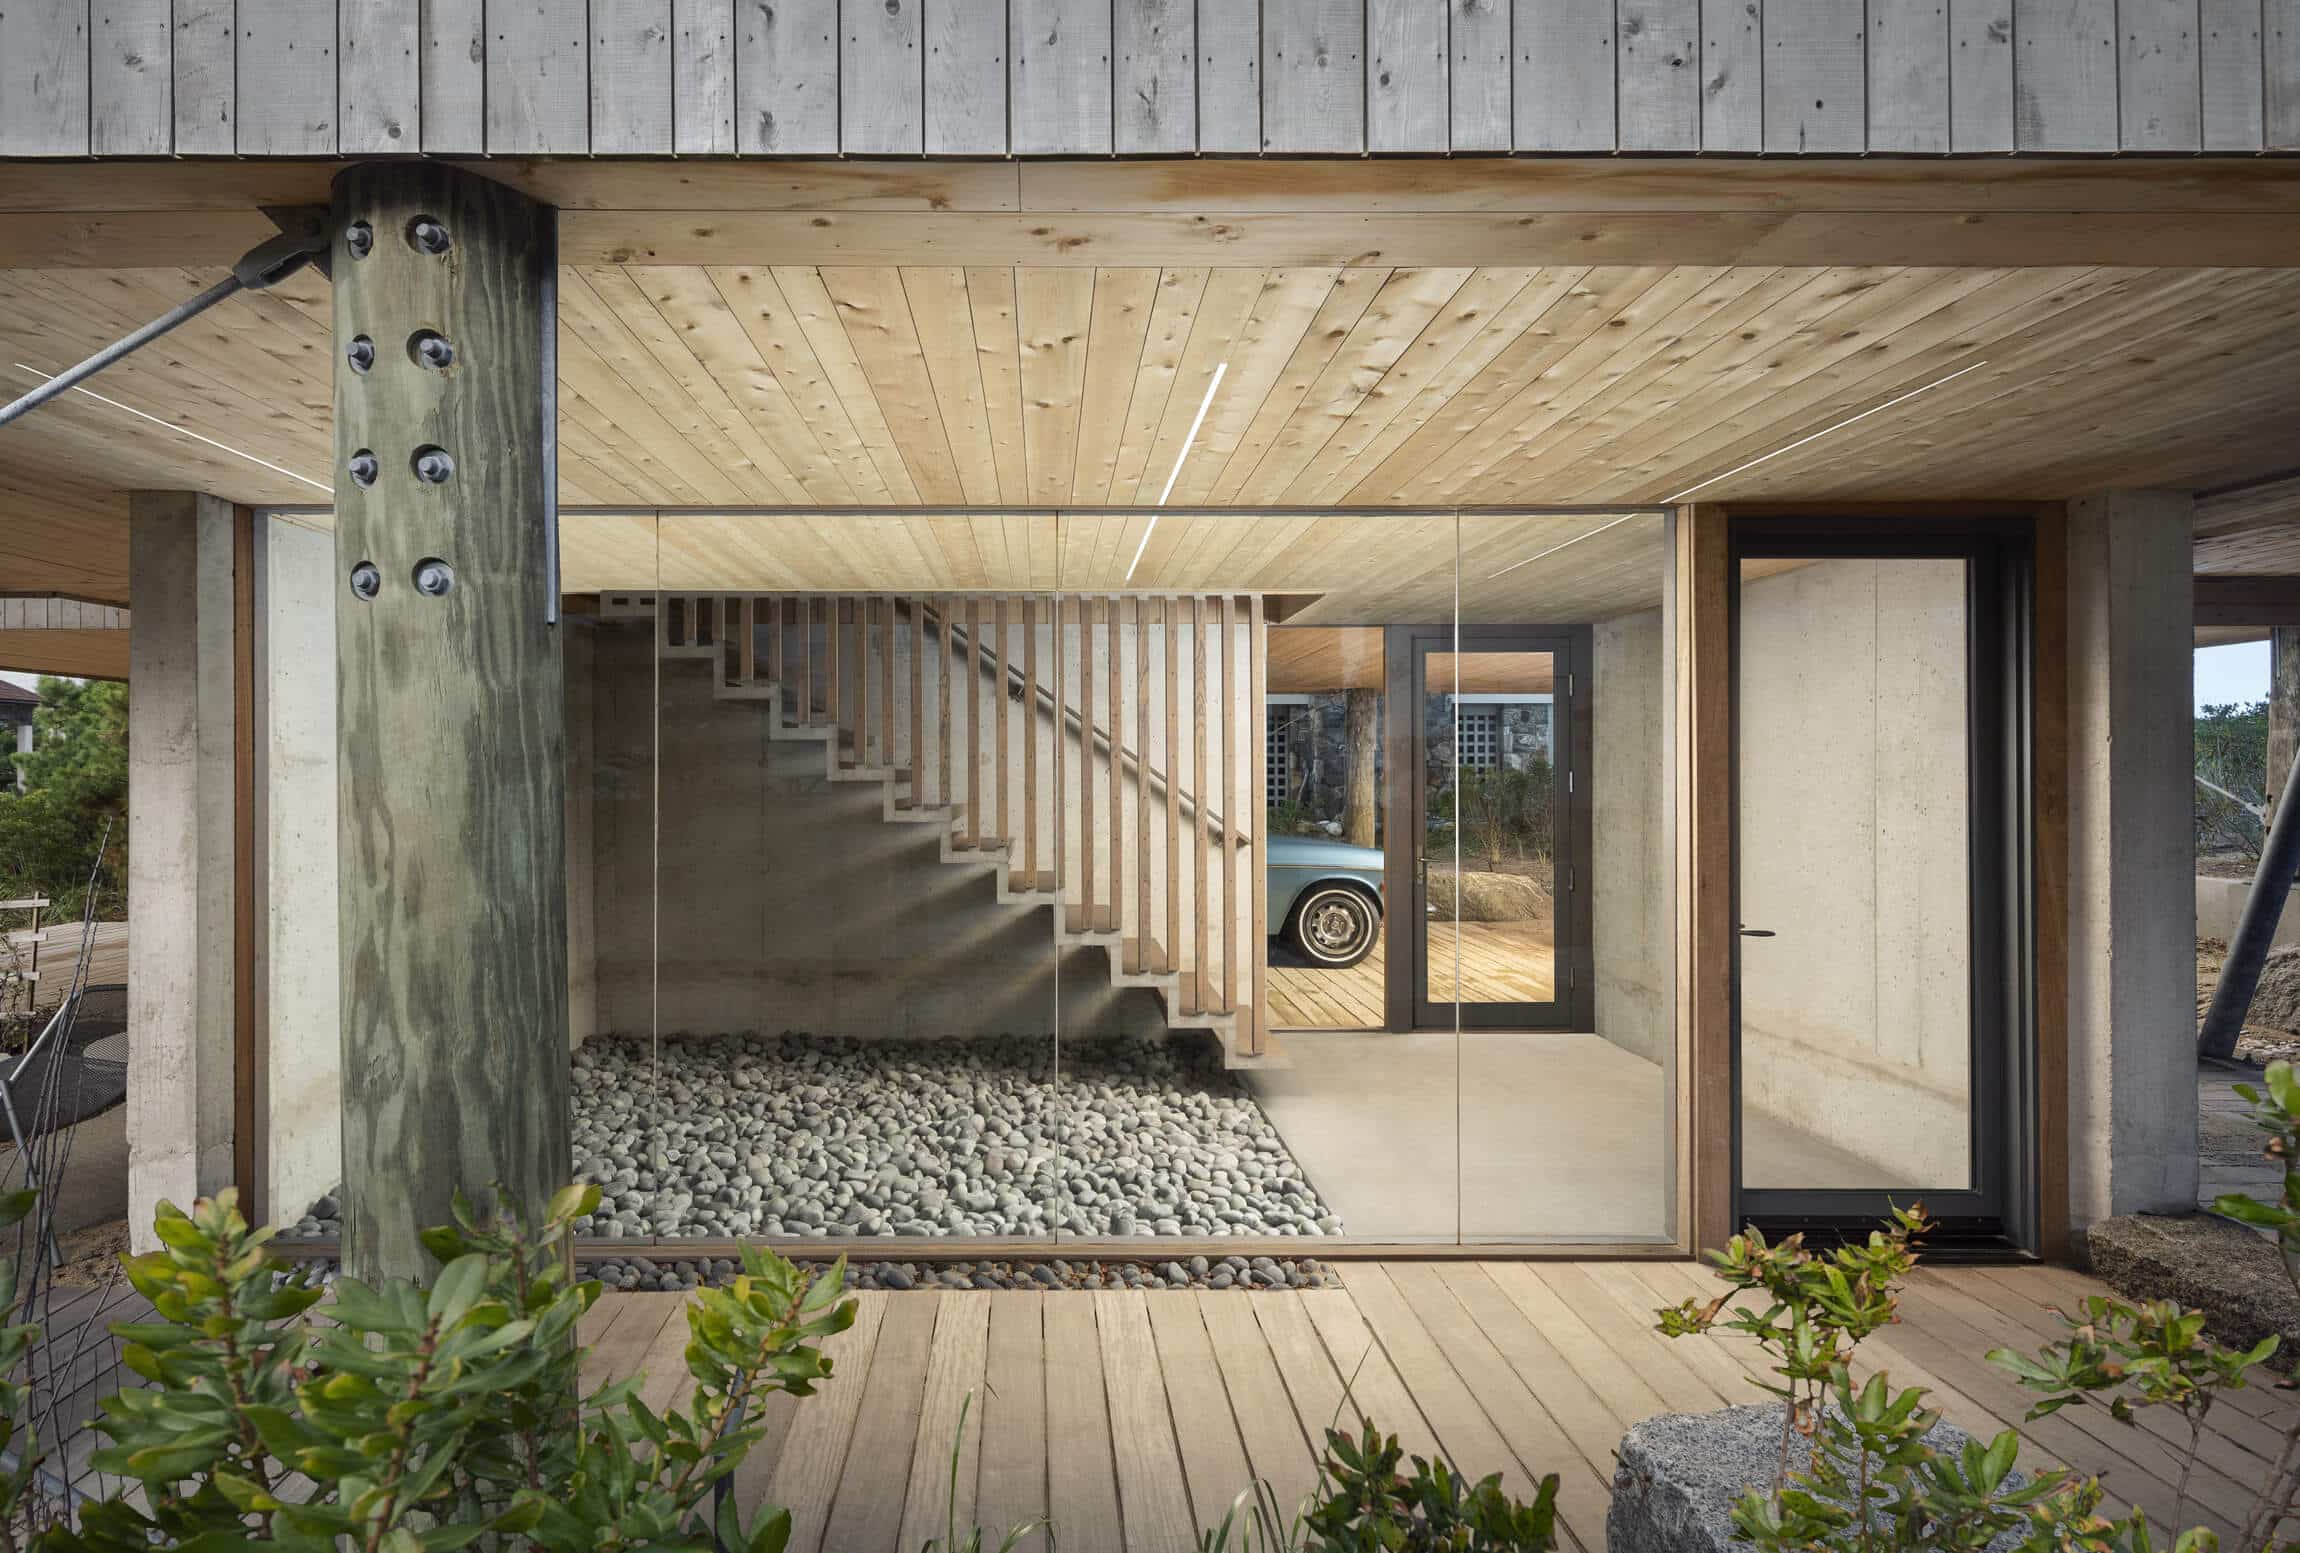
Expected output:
{"points": [[2259, 1043], [92, 1255]]}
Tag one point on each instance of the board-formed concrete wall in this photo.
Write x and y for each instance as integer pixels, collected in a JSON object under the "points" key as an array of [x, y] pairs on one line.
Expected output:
{"points": [[1856, 1016], [1631, 866]]}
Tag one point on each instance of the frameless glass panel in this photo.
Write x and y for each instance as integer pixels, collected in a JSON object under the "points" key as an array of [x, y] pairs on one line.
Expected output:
{"points": [[1562, 880], [1855, 835], [1323, 774]]}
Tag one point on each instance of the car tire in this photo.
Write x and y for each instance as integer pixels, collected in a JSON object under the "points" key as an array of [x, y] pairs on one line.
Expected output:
{"points": [[1334, 927]]}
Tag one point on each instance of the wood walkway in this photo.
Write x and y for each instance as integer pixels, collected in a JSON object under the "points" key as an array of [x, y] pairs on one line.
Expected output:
{"points": [[1502, 962], [1131, 1418]]}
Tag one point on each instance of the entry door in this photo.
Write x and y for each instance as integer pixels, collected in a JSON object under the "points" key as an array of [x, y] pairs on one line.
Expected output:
{"points": [[1880, 1009], [1500, 836]]}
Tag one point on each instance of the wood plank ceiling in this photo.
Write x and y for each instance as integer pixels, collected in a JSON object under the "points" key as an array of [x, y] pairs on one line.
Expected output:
{"points": [[1005, 387]]}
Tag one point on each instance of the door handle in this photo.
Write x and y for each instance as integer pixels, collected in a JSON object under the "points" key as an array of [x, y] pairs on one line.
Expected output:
{"points": [[1755, 932]]}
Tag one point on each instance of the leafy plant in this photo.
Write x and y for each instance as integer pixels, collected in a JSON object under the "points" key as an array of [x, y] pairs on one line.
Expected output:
{"points": [[1366, 1501], [400, 1420], [16, 1439]]}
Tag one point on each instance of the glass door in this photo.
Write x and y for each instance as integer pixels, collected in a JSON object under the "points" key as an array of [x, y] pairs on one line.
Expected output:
{"points": [[1878, 1017], [1498, 841]]}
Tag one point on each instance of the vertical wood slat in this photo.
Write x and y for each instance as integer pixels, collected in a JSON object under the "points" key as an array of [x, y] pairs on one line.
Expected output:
{"points": [[918, 702], [630, 77], [538, 82], [2159, 78], [1060, 77], [1060, 798], [862, 679], [886, 750], [1154, 95], [703, 77], [2064, 75], [286, 61], [1478, 95], [1908, 76], [834, 703], [721, 607], [1171, 960], [1732, 79], [1313, 76], [786, 79], [1407, 87], [978, 813], [2231, 63], [750, 650], [201, 57], [882, 90], [942, 790], [1086, 762], [44, 79], [1226, 891], [2281, 110], [451, 74], [1202, 823], [131, 103], [998, 688], [1143, 868], [1815, 65], [807, 645], [1229, 61], [1257, 860], [1981, 75], [1562, 78], [966, 78], [1660, 75], [1030, 738], [775, 647], [1117, 780]]}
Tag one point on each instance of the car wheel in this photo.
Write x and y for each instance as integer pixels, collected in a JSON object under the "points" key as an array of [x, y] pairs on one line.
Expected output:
{"points": [[1334, 927]]}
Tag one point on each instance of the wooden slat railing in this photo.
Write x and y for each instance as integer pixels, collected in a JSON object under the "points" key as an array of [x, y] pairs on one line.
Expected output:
{"points": [[964, 702]]}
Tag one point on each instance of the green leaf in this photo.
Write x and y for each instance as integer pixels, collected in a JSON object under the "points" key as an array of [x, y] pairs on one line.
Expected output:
{"points": [[460, 1284]]}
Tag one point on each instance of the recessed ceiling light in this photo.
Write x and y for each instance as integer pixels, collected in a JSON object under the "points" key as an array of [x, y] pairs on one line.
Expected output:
{"points": [[1575, 540], [1175, 473]]}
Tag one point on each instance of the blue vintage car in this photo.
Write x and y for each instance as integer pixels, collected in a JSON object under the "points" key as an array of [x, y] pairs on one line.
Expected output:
{"points": [[1326, 897]]}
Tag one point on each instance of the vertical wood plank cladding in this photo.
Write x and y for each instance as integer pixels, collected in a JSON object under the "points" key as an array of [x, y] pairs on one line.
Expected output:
{"points": [[450, 740], [2064, 75], [1908, 75], [1406, 76], [1154, 92], [454, 77], [1980, 75], [882, 91], [703, 77], [538, 78], [131, 104], [1478, 95], [204, 65], [287, 57], [2230, 61], [379, 83], [1660, 75], [2280, 29], [2159, 76], [1732, 76], [786, 77], [630, 77], [44, 78], [1564, 75], [1313, 75], [1230, 78], [966, 78], [1061, 78], [1815, 59]]}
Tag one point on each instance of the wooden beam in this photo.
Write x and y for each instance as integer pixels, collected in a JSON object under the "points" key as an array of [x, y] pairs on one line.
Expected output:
{"points": [[2247, 601], [1703, 773], [455, 1073]]}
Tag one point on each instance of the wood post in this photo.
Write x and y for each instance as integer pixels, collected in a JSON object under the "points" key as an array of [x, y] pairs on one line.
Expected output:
{"points": [[2283, 707], [452, 781]]}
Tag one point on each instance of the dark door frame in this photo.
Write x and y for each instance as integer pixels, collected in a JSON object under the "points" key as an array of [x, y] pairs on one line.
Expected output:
{"points": [[1403, 765], [2000, 1213]]}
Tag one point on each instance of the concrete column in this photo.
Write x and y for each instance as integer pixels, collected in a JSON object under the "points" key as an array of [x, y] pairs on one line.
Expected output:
{"points": [[181, 855], [298, 985], [2132, 890]]}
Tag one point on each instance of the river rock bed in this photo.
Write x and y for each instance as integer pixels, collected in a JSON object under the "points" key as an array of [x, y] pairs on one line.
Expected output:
{"points": [[812, 1137], [1197, 1272]]}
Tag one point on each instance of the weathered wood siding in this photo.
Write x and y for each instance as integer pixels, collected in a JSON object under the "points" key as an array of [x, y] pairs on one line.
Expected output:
{"points": [[1144, 77]]}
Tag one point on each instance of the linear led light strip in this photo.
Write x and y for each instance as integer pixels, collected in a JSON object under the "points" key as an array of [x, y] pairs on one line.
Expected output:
{"points": [[184, 431], [1824, 431], [1175, 473]]}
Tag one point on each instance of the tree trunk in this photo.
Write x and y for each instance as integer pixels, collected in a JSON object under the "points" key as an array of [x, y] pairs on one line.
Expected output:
{"points": [[2283, 706], [1361, 724]]}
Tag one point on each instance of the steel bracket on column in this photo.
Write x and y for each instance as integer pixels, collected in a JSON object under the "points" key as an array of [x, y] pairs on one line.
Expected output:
{"points": [[451, 782]]}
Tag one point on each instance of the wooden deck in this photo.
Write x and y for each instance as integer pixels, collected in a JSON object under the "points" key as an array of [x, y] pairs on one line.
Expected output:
{"points": [[1501, 962], [1131, 1418]]}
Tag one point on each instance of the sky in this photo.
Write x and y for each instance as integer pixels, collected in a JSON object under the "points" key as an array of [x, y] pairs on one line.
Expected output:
{"points": [[28, 681], [2234, 673]]}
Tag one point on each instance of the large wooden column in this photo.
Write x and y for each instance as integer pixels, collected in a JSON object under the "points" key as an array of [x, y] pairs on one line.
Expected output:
{"points": [[449, 705]]}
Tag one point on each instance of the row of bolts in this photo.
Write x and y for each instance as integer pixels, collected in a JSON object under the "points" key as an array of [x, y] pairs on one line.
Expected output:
{"points": [[433, 577]]}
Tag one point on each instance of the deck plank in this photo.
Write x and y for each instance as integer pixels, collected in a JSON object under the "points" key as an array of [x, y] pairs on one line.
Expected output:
{"points": [[806, 1478], [938, 1501], [1154, 1505], [1377, 1393], [1011, 1481], [1081, 1477], [1278, 1450], [868, 1510], [1215, 1468], [1589, 1421]]}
